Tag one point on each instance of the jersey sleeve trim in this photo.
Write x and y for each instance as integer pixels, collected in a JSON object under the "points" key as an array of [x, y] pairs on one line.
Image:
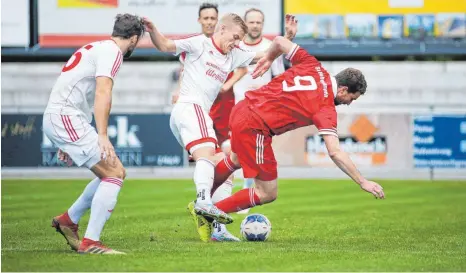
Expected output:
{"points": [[116, 64], [328, 132], [292, 52]]}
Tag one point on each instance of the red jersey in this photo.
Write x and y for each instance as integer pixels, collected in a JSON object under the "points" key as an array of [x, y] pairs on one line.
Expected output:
{"points": [[302, 96]]}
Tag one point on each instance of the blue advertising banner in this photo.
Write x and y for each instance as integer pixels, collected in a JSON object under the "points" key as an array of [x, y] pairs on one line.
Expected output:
{"points": [[139, 140], [439, 141]]}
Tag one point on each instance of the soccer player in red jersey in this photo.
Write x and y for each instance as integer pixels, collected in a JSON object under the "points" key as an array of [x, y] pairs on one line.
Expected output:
{"points": [[305, 94]]}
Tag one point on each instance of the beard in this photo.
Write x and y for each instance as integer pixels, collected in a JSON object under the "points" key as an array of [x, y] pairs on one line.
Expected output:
{"points": [[128, 53], [254, 36]]}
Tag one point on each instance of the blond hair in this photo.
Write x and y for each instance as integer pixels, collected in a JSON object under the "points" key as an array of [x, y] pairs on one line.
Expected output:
{"points": [[233, 18]]}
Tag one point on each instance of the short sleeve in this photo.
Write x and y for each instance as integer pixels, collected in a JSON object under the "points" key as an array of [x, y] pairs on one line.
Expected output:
{"points": [[108, 62], [326, 121], [191, 45], [241, 57], [298, 55]]}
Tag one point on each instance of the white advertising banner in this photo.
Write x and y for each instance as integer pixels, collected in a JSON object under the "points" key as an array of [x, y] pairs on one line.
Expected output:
{"points": [[15, 23], [72, 23]]}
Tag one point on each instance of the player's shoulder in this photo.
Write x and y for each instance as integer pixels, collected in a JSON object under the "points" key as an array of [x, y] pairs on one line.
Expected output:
{"points": [[105, 47], [194, 36]]}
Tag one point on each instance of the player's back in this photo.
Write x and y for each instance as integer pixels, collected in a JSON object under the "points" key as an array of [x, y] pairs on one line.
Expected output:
{"points": [[74, 90], [303, 95]]}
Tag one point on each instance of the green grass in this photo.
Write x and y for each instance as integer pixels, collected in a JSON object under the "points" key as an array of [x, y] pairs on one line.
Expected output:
{"points": [[317, 226]]}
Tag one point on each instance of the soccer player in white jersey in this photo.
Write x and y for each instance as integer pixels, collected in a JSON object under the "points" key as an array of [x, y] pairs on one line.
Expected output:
{"points": [[207, 65], [85, 87], [255, 41], [220, 115]]}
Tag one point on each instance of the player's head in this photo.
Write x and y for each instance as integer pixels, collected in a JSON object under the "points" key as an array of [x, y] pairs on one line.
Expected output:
{"points": [[208, 18], [129, 29], [230, 31], [254, 19], [351, 84]]}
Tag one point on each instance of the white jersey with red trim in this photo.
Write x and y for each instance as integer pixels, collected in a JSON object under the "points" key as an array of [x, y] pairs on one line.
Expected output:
{"points": [[74, 91], [206, 69], [247, 83]]}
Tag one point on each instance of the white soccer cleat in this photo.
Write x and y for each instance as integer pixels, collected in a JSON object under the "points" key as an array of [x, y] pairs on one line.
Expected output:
{"points": [[224, 237], [211, 211]]}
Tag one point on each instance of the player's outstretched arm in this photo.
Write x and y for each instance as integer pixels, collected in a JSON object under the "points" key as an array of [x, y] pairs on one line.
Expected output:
{"points": [[279, 46], [102, 105], [237, 75], [160, 42], [344, 162]]}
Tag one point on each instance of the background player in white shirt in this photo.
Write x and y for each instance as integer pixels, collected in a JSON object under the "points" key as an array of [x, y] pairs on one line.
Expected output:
{"points": [[207, 65], [255, 41], [85, 86]]}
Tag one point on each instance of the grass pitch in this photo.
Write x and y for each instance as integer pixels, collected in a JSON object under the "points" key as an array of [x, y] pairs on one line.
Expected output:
{"points": [[317, 226]]}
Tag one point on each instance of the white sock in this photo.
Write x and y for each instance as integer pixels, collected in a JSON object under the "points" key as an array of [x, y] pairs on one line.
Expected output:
{"points": [[222, 192], [104, 202], [204, 180], [248, 182], [84, 201], [218, 227]]}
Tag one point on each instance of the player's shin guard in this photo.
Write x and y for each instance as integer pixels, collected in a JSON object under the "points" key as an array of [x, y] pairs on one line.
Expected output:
{"points": [[223, 170], [84, 201], [204, 178], [104, 202], [243, 199]]}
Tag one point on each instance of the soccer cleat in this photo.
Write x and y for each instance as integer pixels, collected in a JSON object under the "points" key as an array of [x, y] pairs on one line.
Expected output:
{"points": [[224, 237], [68, 229], [244, 211], [89, 246], [212, 212], [204, 228]]}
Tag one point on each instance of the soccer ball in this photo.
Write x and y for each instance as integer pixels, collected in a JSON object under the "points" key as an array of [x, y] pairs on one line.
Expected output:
{"points": [[256, 227]]}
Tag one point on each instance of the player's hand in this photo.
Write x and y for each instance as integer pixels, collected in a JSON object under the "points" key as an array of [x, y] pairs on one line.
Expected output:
{"points": [[64, 157], [148, 24], [261, 67], [373, 188], [291, 27], [107, 152]]}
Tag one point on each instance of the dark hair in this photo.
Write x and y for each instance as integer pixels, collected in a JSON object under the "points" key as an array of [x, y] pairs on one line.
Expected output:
{"points": [[127, 25], [353, 79], [207, 5], [251, 10]]}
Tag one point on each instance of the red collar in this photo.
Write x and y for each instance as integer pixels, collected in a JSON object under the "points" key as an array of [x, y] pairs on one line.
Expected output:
{"points": [[253, 44], [215, 45]]}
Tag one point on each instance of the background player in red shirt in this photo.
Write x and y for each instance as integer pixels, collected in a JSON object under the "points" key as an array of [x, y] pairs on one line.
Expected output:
{"points": [[304, 95]]}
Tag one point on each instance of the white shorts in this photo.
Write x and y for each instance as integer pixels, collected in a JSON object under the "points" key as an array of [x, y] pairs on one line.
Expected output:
{"points": [[192, 126], [74, 136]]}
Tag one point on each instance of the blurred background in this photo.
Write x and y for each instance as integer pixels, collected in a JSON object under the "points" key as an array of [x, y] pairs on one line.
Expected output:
{"points": [[411, 124]]}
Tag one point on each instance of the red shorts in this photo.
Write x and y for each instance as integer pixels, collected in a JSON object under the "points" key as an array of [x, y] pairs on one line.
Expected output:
{"points": [[220, 115], [251, 141]]}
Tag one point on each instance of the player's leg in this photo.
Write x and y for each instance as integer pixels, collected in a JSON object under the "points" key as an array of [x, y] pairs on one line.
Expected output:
{"points": [[67, 223], [79, 140], [219, 230], [192, 127], [254, 153], [103, 204]]}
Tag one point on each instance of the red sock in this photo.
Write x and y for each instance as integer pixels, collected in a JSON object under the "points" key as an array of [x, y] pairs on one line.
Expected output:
{"points": [[223, 170], [243, 199]]}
